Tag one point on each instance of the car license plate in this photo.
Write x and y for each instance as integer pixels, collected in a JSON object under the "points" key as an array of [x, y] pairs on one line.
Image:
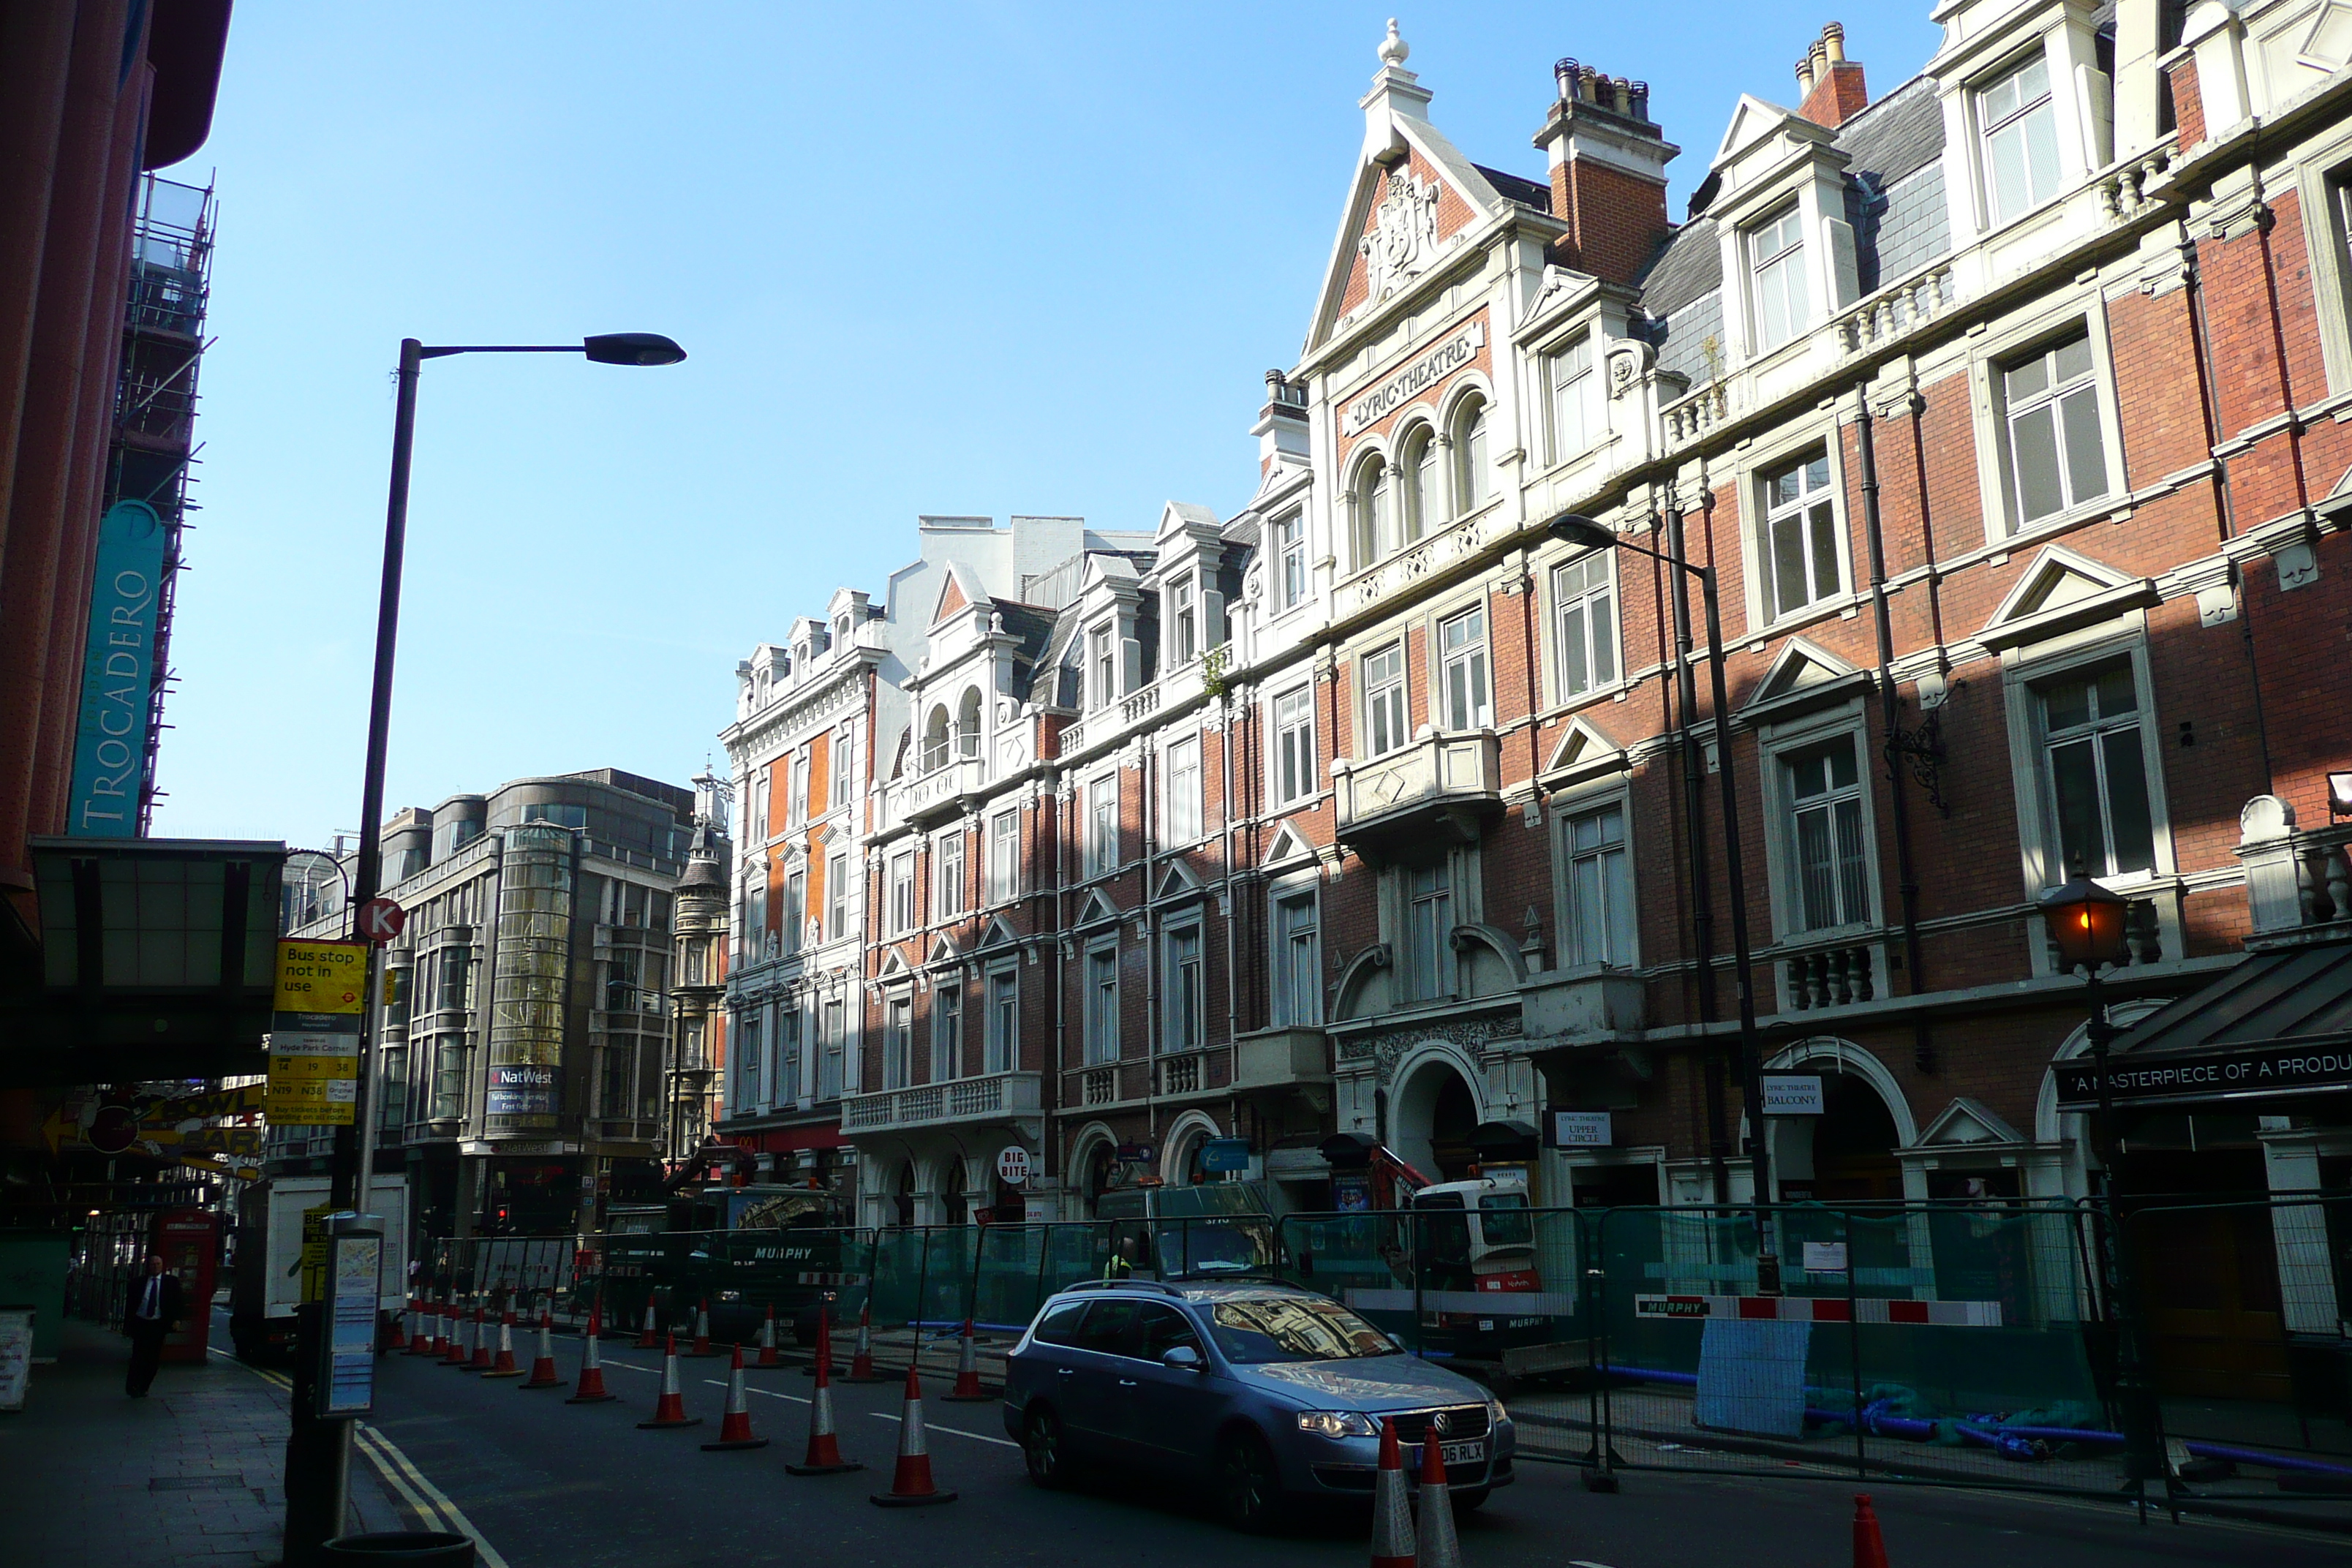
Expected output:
{"points": [[1471, 1453]]}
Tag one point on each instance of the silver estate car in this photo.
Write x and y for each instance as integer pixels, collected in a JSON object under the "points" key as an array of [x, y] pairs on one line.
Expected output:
{"points": [[1273, 1392]]}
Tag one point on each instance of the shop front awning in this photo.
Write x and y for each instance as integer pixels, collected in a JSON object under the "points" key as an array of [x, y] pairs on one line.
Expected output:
{"points": [[2278, 1024]]}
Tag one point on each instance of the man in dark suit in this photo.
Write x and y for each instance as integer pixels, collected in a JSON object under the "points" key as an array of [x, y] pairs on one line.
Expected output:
{"points": [[152, 1311]]}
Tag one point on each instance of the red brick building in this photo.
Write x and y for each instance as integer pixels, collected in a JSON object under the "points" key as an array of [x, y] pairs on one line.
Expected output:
{"points": [[2007, 407]]}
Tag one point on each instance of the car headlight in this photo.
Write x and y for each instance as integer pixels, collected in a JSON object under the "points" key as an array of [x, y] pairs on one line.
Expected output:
{"points": [[1338, 1423], [1496, 1415]]}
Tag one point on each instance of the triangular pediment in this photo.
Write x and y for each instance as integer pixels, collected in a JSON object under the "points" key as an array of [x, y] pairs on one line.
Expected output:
{"points": [[1176, 882], [1801, 663], [1176, 516], [894, 964], [1756, 120], [2061, 590], [1416, 198], [961, 589], [998, 934], [1097, 909], [1967, 1121], [1287, 845], [944, 950], [1583, 749]]}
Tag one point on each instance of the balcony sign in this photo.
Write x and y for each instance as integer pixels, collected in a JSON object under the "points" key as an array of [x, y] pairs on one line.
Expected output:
{"points": [[1792, 1094], [1581, 1130]]}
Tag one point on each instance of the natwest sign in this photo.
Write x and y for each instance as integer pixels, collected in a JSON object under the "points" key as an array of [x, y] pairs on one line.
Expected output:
{"points": [[1426, 370]]}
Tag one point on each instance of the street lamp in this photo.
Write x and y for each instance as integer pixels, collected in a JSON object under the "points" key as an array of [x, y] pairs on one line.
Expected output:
{"points": [[2086, 924], [318, 1451], [1574, 529]]}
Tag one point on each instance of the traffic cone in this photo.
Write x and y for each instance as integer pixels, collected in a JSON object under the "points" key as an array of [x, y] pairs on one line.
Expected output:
{"points": [[735, 1426], [456, 1355], [647, 1338], [1869, 1546], [504, 1365], [398, 1339], [1392, 1543], [1440, 1547], [910, 1484], [967, 1383], [427, 1340], [589, 1389], [823, 1446], [768, 1356], [861, 1359], [482, 1360], [670, 1408], [542, 1365], [702, 1329]]}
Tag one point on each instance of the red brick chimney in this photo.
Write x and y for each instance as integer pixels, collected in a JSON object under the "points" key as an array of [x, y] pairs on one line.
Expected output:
{"points": [[1608, 173], [1832, 83]]}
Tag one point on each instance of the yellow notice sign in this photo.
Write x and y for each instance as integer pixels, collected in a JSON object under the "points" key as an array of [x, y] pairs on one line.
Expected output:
{"points": [[314, 1079], [321, 977]]}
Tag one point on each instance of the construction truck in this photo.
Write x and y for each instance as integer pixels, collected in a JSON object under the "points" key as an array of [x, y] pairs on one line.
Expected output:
{"points": [[1455, 1260], [267, 1284], [1165, 1231], [744, 1250]]}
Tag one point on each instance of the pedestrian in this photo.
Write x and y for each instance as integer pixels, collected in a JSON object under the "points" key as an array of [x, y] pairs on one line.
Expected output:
{"points": [[152, 1312]]}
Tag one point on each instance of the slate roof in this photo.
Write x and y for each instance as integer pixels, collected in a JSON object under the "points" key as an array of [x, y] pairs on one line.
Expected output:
{"points": [[1535, 193]]}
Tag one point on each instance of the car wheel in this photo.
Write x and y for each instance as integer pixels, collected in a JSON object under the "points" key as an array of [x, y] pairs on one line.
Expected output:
{"points": [[1044, 1447], [1463, 1502], [1249, 1487]]}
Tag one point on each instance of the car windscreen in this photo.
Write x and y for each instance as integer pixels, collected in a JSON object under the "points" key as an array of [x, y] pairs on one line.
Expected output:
{"points": [[1506, 1221], [1292, 1327]]}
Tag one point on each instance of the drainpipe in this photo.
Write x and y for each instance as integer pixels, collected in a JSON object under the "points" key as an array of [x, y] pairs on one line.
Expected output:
{"points": [[1890, 711], [1694, 759], [2225, 508]]}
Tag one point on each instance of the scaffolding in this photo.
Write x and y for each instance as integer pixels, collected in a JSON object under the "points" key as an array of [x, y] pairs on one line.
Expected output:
{"points": [[153, 447]]}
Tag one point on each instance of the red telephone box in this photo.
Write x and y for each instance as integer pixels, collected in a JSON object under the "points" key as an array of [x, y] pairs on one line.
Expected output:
{"points": [[189, 1240]]}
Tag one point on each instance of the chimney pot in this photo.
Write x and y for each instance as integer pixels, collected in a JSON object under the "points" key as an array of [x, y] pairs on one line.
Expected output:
{"points": [[1563, 74], [1834, 42], [1805, 73]]}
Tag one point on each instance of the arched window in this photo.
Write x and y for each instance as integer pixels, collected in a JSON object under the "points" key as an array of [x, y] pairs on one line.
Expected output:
{"points": [[967, 732], [1418, 507], [935, 738], [1470, 454], [1373, 524]]}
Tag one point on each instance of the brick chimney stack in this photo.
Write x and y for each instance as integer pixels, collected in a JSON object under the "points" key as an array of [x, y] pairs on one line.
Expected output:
{"points": [[1831, 83], [1608, 173]]}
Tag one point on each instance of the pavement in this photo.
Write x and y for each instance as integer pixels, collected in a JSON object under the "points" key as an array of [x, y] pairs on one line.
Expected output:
{"points": [[542, 1484]]}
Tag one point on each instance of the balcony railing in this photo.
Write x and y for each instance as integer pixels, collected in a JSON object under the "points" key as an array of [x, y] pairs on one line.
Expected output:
{"points": [[991, 1098], [2296, 879], [1446, 783], [932, 796]]}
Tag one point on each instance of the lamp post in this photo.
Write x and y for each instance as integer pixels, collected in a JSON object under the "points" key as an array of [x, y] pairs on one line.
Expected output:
{"points": [[1572, 529], [2086, 924], [318, 1450]]}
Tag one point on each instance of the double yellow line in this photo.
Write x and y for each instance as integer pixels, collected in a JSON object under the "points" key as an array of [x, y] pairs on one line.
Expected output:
{"points": [[431, 1505]]}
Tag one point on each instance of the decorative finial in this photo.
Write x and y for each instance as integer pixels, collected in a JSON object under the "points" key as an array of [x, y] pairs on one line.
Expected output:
{"points": [[1393, 48]]}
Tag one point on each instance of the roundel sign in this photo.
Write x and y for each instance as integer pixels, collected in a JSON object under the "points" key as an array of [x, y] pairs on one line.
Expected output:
{"points": [[380, 919], [1013, 1166]]}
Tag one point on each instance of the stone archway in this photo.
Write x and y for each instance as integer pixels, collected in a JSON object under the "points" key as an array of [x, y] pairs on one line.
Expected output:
{"points": [[1849, 1153], [1433, 1110], [1180, 1149]]}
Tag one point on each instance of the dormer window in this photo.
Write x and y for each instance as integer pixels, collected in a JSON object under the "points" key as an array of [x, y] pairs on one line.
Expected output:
{"points": [[841, 629], [1568, 382], [967, 729], [1102, 662], [1184, 620], [2019, 127], [1776, 265], [1290, 561]]}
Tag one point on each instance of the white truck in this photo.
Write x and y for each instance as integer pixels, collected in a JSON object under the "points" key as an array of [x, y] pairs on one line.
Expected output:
{"points": [[267, 1282]]}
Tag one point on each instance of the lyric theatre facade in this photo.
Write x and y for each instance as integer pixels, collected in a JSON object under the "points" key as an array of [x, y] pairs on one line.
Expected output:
{"points": [[2007, 410]]}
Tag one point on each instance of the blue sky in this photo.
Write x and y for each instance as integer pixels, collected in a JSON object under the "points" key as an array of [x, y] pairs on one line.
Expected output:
{"points": [[983, 259]]}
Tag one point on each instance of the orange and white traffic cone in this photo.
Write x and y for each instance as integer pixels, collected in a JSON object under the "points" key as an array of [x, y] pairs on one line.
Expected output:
{"points": [[861, 1357], [483, 1361], [503, 1365], [1392, 1540], [702, 1329], [589, 1389], [647, 1337], [1440, 1547], [427, 1340], [910, 1484], [1869, 1546], [402, 1322], [669, 1407], [823, 1444], [735, 1426], [967, 1383], [456, 1355], [542, 1365], [768, 1356]]}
